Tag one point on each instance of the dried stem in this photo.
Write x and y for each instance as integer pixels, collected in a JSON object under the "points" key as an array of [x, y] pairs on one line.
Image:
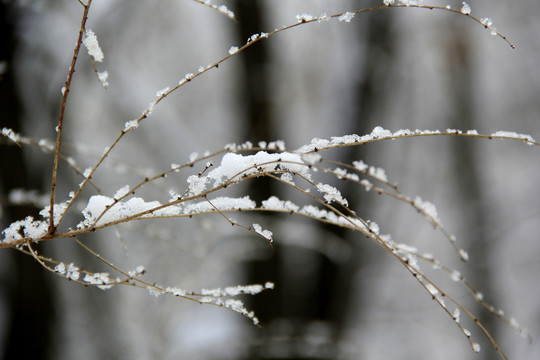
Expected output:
{"points": [[52, 227]]}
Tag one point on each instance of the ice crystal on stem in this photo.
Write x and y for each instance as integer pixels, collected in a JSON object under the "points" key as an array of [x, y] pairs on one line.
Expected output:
{"points": [[92, 45], [465, 9]]}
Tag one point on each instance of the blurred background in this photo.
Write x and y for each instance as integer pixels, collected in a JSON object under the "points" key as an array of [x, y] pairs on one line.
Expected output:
{"points": [[337, 295]]}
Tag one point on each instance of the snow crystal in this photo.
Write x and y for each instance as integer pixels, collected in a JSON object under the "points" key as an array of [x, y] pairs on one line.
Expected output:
{"points": [[274, 203], [101, 279], [92, 45], [514, 135], [464, 255], [153, 291], [304, 17], [233, 50], [488, 23], [378, 173], [331, 194], [150, 108], [456, 275], [324, 17], [466, 332], [407, 248], [176, 291], [132, 124], [287, 178], [46, 144], [432, 289], [347, 17], [139, 270], [72, 272], [234, 290], [58, 211], [103, 76], [360, 165], [60, 268], [162, 92], [366, 184], [224, 10], [265, 233], [13, 136], [465, 9], [197, 184], [311, 158], [193, 156], [253, 37], [428, 209], [388, 2], [121, 192], [380, 133], [30, 228], [456, 315], [476, 347]]}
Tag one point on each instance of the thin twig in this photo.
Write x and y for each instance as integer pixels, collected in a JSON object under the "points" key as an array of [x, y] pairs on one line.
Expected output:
{"points": [[52, 227]]}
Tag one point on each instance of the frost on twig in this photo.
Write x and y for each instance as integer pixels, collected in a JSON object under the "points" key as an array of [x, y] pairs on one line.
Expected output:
{"points": [[91, 43], [220, 8]]}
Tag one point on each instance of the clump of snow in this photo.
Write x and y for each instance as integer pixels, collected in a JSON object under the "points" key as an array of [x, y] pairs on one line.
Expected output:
{"points": [[132, 124], [27, 228], [513, 135], [305, 17], [432, 289], [488, 23], [197, 184], [162, 92], [122, 192], [265, 233], [274, 203], [220, 203], [154, 291], [456, 315], [465, 9], [464, 255], [332, 194], [97, 205], [12, 135], [70, 271], [103, 76], [347, 17], [92, 45], [233, 50], [429, 210], [102, 280], [234, 166], [58, 211]]}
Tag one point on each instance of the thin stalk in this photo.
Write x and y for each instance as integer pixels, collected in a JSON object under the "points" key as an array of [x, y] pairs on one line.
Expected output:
{"points": [[52, 227]]}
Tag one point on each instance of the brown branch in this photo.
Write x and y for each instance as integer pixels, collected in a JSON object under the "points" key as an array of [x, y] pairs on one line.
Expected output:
{"points": [[52, 227]]}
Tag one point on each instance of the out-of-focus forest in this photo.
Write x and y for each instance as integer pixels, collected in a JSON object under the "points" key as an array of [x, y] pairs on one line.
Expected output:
{"points": [[337, 295]]}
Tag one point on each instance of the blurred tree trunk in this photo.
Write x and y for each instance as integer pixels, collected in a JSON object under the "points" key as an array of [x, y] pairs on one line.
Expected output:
{"points": [[466, 162], [313, 291], [30, 307]]}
